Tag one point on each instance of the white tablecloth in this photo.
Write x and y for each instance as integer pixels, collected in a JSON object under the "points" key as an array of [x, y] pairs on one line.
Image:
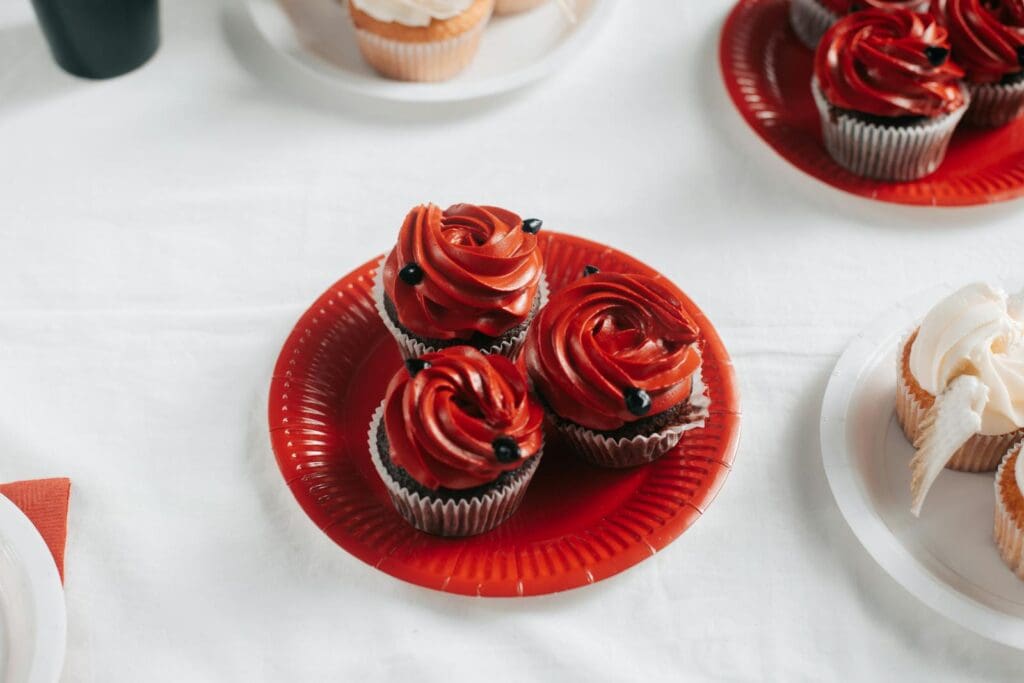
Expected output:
{"points": [[161, 232]]}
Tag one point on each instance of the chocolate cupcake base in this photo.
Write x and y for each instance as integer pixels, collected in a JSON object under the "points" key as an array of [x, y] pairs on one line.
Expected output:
{"points": [[995, 104], [899, 150], [444, 512], [810, 19]]}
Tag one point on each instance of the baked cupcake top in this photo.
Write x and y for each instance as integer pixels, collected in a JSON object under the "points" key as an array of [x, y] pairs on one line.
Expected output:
{"points": [[466, 270], [458, 419], [412, 12], [890, 64], [611, 349], [987, 37], [844, 7], [978, 332]]}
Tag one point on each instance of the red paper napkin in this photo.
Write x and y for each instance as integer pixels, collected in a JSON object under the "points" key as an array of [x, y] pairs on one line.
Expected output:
{"points": [[45, 502]]}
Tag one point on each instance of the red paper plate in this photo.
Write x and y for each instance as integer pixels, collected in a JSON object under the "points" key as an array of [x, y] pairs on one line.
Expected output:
{"points": [[577, 524], [767, 71]]}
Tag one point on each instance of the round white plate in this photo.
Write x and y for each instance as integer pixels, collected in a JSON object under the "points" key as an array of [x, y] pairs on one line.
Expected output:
{"points": [[32, 613], [947, 558], [515, 51]]}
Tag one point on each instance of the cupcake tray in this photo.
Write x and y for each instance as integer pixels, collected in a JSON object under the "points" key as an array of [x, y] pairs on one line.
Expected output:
{"points": [[767, 71], [947, 558], [577, 524]]}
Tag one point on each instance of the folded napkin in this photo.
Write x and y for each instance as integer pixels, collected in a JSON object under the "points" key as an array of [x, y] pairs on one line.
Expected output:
{"points": [[45, 503]]}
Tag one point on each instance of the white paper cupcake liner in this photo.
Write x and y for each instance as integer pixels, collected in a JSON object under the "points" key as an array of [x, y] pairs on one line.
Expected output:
{"points": [[603, 451], [981, 453], [995, 104], [445, 517], [425, 62], [516, 6], [882, 152], [1009, 535], [810, 19], [413, 348]]}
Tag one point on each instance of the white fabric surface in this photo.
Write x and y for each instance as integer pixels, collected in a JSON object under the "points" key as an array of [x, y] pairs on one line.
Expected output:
{"points": [[161, 232]]}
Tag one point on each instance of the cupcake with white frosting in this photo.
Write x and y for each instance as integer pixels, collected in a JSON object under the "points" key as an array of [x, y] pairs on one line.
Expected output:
{"points": [[1009, 528], [419, 40], [960, 387]]}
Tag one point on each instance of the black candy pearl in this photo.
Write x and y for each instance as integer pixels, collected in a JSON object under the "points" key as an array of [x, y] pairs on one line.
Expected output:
{"points": [[936, 55], [638, 401], [506, 450], [415, 365], [532, 225], [589, 270], [411, 274]]}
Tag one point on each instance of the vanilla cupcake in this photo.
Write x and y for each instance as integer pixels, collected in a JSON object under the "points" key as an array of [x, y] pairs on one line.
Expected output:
{"points": [[1009, 528], [516, 6], [960, 385], [419, 40]]}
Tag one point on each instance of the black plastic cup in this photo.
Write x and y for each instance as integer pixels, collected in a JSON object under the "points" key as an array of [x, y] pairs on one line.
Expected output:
{"points": [[100, 38]]}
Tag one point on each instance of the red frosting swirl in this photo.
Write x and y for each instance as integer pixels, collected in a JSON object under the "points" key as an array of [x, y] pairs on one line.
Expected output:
{"points": [[481, 272], [442, 423], [844, 7], [606, 334], [986, 37], [889, 63]]}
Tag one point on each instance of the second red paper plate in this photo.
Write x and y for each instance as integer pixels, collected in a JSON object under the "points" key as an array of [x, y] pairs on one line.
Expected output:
{"points": [[767, 71], [577, 524]]}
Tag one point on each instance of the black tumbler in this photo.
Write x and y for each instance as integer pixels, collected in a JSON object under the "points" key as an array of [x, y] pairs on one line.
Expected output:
{"points": [[100, 38]]}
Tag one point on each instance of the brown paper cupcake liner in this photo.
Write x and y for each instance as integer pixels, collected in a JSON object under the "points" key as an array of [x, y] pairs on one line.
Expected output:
{"points": [[603, 451], [1009, 534], [430, 61], [516, 6], [445, 517], [981, 453], [883, 152], [995, 104], [410, 347]]}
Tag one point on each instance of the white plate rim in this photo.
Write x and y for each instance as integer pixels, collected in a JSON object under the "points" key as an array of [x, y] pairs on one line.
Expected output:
{"points": [[46, 591], [448, 91], [853, 501]]}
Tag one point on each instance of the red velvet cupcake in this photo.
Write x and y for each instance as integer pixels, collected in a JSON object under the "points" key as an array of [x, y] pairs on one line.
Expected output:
{"points": [[811, 18], [616, 361], [889, 96], [468, 275], [988, 42], [457, 440]]}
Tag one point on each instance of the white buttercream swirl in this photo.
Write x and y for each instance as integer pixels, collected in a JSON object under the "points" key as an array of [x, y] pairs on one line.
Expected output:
{"points": [[976, 331], [412, 12]]}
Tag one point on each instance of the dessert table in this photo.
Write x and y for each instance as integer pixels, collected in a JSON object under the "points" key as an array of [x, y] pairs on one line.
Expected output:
{"points": [[160, 233]]}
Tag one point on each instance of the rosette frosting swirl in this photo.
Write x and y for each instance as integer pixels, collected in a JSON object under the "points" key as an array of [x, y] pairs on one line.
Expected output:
{"points": [[445, 423], [412, 12], [987, 37], [480, 271], [608, 334], [889, 63]]}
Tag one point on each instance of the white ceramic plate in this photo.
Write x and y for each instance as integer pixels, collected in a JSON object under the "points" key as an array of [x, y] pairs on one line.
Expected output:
{"points": [[32, 614], [515, 51], [947, 558]]}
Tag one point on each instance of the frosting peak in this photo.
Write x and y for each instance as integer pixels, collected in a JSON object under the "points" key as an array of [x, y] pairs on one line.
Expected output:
{"points": [[412, 12], [462, 419], [604, 338], [889, 63], [976, 331], [466, 270]]}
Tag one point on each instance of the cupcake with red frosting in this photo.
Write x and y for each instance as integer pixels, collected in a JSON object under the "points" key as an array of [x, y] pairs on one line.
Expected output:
{"points": [[889, 95], [988, 42], [616, 361], [811, 18], [457, 440], [468, 275]]}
